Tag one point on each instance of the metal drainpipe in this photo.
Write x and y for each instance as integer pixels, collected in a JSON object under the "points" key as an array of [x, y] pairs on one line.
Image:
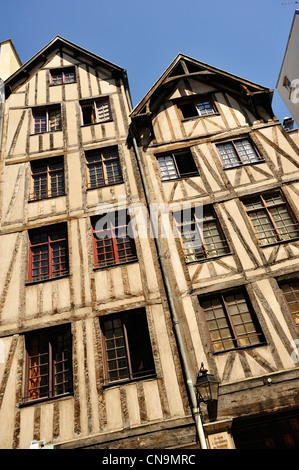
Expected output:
{"points": [[195, 409]]}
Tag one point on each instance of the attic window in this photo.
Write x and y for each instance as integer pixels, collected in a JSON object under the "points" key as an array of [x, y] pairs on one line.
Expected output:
{"points": [[63, 76], [179, 164], [197, 107]]}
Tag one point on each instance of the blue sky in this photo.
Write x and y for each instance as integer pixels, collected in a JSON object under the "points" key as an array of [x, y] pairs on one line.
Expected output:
{"points": [[244, 37]]}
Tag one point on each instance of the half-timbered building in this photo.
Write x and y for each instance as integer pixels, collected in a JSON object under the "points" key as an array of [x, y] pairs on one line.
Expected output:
{"points": [[88, 357], [215, 158]]}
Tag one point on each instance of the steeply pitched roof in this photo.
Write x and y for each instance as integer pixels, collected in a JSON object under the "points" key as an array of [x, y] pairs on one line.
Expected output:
{"points": [[43, 55], [184, 66]]}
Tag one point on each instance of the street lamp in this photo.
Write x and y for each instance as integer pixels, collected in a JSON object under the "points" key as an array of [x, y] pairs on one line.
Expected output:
{"points": [[207, 387]]}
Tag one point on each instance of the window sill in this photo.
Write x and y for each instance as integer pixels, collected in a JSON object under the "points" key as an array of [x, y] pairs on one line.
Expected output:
{"points": [[243, 164], [26, 403], [59, 84], [46, 132], [241, 348], [212, 258], [99, 268], [46, 198], [118, 383], [32, 283], [200, 117], [281, 242], [104, 186], [180, 178], [96, 123]]}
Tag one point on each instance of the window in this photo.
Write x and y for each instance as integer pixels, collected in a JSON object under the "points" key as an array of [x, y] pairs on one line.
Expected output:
{"points": [[103, 167], [96, 111], [47, 178], [127, 347], [230, 321], [47, 120], [112, 242], [290, 291], [201, 234], [48, 363], [177, 165], [48, 253], [238, 152], [62, 76], [197, 107], [271, 218]]}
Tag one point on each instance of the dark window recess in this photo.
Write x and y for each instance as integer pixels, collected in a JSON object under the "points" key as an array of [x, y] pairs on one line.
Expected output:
{"points": [[96, 111], [127, 347], [103, 167], [48, 363], [177, 165]]}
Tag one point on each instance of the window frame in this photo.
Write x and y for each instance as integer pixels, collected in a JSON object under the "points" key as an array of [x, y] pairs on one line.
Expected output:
{"points": [[145, 347], [259, 158], [103, 164], [275, 229], [46, 110], [95, 112], [50, 255], [197, 100], [38, 195], [198, 223], [51, 335], [63, 71], [235, 337], [173, 154], [289, 282], [113, 248]]}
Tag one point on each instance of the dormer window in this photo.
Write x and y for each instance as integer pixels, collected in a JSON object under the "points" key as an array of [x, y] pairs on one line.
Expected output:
{"points": [[62, 76], [197, 107]]}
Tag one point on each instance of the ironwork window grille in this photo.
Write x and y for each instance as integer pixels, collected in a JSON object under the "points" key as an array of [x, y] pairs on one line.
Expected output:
{"points": [[126, 346], [47, 120], [197, 107], [201, 235], [96, 111], [113, 243], [231, 321], [48, 363], [177, 165], [48, 253], [62, 76], [103, 167], [47, 178], [271, 218], [238, 152], [290, 291]]}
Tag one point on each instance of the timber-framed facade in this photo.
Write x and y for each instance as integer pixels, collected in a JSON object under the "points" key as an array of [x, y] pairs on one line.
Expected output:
{"points": [[233, 269], [101, 333]]}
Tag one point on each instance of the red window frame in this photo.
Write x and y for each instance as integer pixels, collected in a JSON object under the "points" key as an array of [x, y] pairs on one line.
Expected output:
{"points": [[62, 76], [112, 245], [48, 253], [48, 363]]}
